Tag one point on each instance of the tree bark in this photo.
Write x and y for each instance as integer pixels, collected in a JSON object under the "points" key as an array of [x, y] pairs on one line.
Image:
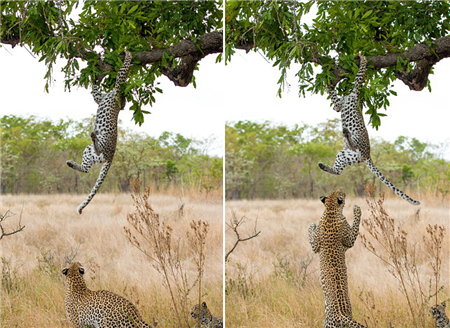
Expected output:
{"points": [[416, 80], [190, 52]]}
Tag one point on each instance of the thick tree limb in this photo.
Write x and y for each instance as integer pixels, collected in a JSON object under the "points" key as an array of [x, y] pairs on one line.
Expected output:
{"points": [[12, 40], [190, 52], [416, 80], [209, 43], [422, 54]]}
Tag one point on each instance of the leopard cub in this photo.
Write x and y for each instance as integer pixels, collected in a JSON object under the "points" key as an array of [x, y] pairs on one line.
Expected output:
{"points": [[438, 312], [207, 320]]}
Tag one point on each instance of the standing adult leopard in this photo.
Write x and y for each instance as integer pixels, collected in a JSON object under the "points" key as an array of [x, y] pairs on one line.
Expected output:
{"points": [[100, 308], [438, 312], [356, 138], [331, 239], [207, 320], [104, 135]]}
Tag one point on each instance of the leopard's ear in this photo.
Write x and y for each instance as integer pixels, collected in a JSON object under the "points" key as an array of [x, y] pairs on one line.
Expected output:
{"points": [[340, 200], [81, 270], [443, 304], [322, 199], [204, 304], [64, 271]]}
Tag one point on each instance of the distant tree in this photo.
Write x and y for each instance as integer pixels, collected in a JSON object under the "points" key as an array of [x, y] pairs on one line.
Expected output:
{"points": [[292, 172], [27, 151], [402, 40], [168, 38], [34, 152]]}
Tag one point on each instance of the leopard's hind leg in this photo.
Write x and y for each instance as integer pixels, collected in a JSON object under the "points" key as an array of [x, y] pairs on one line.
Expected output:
{"points": [[344, 158], [89, 158]]}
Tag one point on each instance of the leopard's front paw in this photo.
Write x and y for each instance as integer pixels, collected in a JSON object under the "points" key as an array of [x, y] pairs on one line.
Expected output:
{"points": [[311, 231], [71, 164]]}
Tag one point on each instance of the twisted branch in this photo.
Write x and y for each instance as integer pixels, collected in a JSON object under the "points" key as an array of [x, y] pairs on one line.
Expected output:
{"points": [[234, 225]]}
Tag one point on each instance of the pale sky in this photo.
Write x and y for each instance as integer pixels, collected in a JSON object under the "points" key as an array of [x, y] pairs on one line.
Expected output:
{"points": [[245, 89]]}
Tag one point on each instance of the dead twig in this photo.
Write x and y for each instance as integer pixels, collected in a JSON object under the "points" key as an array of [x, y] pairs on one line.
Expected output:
{"points": [[234, 224], [4, 217]]}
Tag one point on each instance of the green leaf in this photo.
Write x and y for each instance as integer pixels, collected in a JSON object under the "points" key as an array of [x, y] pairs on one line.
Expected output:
{"points": [[366, 14], [133, 9]]}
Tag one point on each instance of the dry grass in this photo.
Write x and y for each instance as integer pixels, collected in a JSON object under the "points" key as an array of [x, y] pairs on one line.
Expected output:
{"points": [[33, 286], [264, 276]]}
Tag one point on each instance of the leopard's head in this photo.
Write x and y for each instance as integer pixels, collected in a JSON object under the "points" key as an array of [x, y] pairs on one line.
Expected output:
{"points": [[203, 311], [335, 201], [438, 311]]}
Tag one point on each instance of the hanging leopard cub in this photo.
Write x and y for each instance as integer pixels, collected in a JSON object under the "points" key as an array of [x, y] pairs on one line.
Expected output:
{"points": [[104, 135], [356, 138]]}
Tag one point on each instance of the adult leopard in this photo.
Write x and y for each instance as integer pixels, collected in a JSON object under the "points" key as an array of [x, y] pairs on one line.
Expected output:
{"points": [[100, 308], [331, 239], [356, 138], [207, 320], [104, 135]]}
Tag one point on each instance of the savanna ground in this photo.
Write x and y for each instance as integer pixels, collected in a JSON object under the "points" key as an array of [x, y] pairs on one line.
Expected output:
{"points": [[33, 287], [273, 280]]}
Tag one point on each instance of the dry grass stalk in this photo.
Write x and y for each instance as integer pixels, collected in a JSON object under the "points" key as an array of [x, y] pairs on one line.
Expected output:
{"points": [[400, 255], [433, 246], [153, 237], [293, 268], [3, 218], [151, 234], [197, 241], [234, 224], [368, 299]]}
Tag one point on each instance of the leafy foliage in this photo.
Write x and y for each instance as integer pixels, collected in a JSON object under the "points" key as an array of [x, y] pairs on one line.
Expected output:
{"points": [[340, 31], [34, 152], [274, 161], [102, 31]]}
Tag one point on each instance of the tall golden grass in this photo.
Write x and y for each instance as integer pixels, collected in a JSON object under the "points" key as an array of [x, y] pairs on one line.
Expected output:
{"points": [[32, 284], [273, 280]]}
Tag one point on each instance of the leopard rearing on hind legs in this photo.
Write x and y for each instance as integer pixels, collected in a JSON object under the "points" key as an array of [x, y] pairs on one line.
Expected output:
{"points": [[331, 239], [104, 135], [356, 138]]}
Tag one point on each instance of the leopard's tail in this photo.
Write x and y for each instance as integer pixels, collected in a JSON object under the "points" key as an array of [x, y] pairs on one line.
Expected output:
{"points": [[98, 184], [383, 179]]}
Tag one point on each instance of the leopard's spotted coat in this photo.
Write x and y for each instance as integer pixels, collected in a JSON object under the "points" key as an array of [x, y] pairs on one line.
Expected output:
{"points": [[104, 135]]}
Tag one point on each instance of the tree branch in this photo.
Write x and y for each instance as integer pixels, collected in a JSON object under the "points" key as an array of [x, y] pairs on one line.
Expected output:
{"points": [[234, 225], [424, 55], [210, 43], [12, 40], [190, 52], [3, 218]]}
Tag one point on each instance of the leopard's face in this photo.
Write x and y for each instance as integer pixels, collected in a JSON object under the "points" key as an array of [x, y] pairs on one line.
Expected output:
{"points": [[203, 312], [438, 312]]}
